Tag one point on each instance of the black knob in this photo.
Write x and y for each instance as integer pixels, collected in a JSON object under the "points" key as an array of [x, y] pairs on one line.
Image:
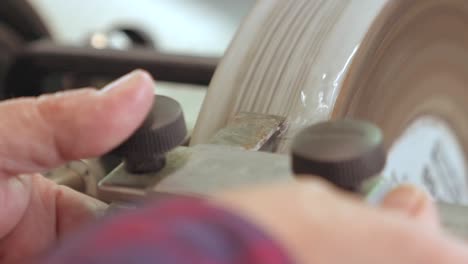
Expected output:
{"points": [[163, 129], [344, 152]]}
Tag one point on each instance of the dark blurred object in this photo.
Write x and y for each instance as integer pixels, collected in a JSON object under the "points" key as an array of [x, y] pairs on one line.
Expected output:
{"points": [[22, 19], [32, 64], [42, 63], [121, 37]]}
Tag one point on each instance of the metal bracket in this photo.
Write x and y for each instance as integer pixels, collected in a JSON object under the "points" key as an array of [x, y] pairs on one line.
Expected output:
{"points": [[236, 156]]}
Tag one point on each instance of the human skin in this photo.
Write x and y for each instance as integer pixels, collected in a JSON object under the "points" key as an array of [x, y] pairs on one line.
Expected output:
{"points": [[312, 220]]}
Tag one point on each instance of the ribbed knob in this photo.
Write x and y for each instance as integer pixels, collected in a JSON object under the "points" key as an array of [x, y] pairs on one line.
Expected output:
{"points": [[163, 129], [344, 152]]}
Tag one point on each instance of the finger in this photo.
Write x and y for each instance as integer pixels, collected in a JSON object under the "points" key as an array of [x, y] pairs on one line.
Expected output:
{"points": [[344, 219], [412, 202], [15, 195], [40, 133], [52, 211], [34, 228], [366, 234], [318, 223]]}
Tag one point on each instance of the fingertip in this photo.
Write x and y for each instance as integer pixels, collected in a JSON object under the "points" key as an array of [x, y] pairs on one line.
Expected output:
{"points": [[126, 103], [137, 79], [132, 93], [413, 202], [92, 123]]}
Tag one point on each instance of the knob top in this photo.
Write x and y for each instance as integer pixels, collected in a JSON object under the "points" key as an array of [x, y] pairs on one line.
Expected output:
{"points": [[163, 129], [344, 152]]}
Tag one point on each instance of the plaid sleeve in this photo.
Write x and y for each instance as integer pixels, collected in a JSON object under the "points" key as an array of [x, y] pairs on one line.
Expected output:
{"points": [[172, 231]]}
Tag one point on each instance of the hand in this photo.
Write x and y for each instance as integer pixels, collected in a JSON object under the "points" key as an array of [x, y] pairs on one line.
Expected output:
{"points": [[320, 224], [37, 134]]}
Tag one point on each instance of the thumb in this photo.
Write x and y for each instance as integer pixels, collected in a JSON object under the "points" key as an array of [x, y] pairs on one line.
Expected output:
{"points": [[412, 202], [40, 133]]}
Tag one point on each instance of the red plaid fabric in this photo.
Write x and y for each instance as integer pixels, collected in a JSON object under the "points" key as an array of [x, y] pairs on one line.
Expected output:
{"points": [[171, 231]]}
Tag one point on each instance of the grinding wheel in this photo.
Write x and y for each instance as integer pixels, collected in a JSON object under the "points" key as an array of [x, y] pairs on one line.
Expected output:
{"points": [[400, 64]]}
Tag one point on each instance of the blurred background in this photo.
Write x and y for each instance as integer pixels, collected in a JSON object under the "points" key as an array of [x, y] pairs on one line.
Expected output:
{"points": [[186, 27], [202, 27]]}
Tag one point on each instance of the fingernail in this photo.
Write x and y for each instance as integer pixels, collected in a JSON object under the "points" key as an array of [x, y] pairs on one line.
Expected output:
{"points": [[129, 80], [406, 198]]}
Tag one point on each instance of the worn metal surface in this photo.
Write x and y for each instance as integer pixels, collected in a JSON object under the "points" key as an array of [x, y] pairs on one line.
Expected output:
{"points": [[215, 168], [120, 185], [250, 131], [200, 170]]}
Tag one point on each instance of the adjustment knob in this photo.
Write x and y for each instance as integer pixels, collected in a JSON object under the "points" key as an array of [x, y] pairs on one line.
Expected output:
{"points": [[344, 152], [163, 129]]}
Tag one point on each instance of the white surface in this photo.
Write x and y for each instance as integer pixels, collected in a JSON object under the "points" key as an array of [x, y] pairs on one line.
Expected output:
{"points": [[429, 155]]}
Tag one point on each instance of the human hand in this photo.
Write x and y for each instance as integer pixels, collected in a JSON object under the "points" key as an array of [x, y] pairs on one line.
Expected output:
{"points": [[37, 134], [317, 223]]}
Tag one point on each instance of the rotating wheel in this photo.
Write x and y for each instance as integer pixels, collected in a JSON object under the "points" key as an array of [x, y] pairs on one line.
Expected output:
{"points": [[402, 65]]}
